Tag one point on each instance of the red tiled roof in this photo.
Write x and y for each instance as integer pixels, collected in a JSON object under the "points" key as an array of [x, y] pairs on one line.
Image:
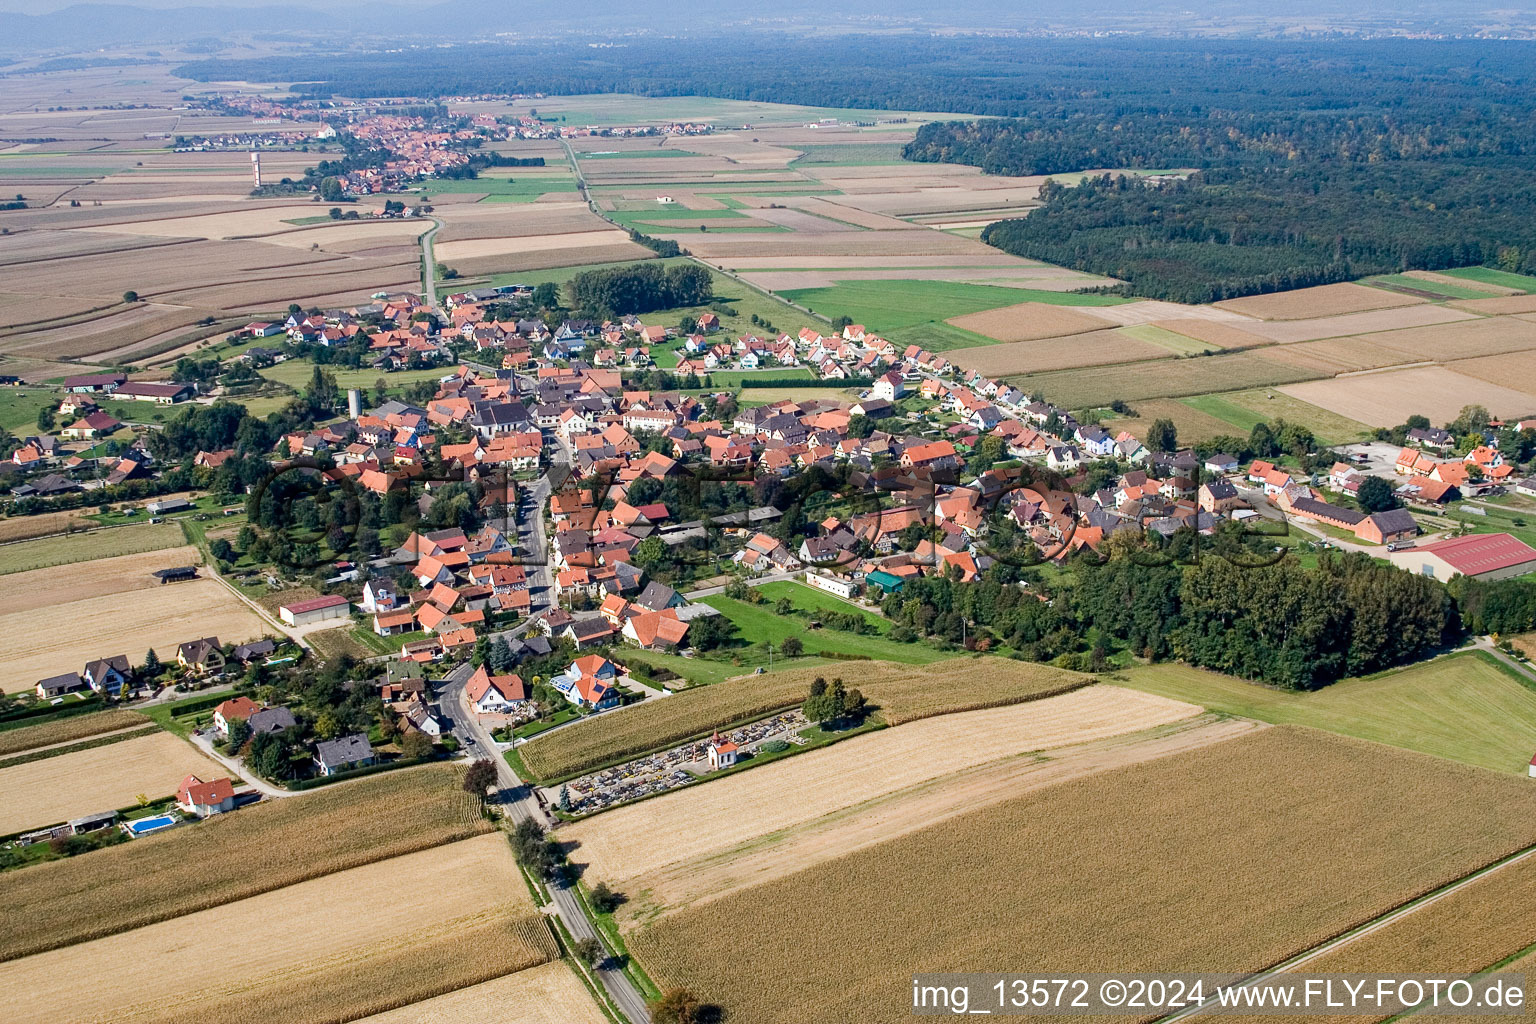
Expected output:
{"points": [[1480, 553]]}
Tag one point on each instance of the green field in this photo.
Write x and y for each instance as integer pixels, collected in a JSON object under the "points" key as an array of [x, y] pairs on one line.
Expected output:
{"points": [[1488, 275], [1465, 707], [888, 305], [850, 154], [66, 549], [296, 374], [806, 598], [500, 189], [1164, 338], [19, 408], [1444, 291], [1243, 409]]}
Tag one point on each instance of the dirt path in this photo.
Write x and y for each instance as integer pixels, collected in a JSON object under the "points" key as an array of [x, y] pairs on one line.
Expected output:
{"points": [[765, 858]]}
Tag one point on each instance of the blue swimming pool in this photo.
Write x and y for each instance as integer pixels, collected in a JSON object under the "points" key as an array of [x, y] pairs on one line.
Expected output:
{"points": [[144, 826]]}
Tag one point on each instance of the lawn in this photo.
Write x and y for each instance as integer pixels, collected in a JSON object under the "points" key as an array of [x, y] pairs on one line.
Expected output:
{"points": [[1243, 409], [757, 623], [887, 305], [1490, 276], [164, 715], [1465, 707], [296, 374], [501, 188], [806, 598]]}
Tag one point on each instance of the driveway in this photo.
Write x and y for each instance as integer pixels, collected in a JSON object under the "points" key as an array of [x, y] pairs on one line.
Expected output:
{"points": [[204, 743]]}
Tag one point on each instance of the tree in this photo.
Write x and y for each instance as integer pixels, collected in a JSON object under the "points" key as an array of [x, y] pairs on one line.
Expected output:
{"points": [[1163, 436], [222, 549], [479, 777], [239, 732], [533, 849], [676, 1006], [791, 647], [590, 951], [604, 899], [130, 296], [546, 295], [45, 419], [1375, 495], [416, 745], [1262, 441], [151, 666]]}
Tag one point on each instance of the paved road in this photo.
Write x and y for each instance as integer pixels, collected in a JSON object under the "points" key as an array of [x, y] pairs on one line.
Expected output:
{"points": [[519, 803], [429, 265]]}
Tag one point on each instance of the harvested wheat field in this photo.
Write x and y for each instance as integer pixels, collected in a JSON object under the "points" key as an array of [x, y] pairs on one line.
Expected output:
{"points": [[114, 328], [302, 952], [254, 218], [1503, 304], [66, 730], [518, 220], [642, 837], [1400, 318], [1390, 397], [811, 249], [547, 994], [540, 260], [45, 525], [100, 779], [1464, 932], [1323, 300], [1335, 356], [1031, 321], [901, 692], [274, 844], [1146, 311], [1159, 378], [1513, 370], [1222, 334], [759, 859], [33, 647], [1466, 340], [1116, 871], [1095, 348], [501, 246]]}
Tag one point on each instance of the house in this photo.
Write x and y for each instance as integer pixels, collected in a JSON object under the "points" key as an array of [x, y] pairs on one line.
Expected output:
{"points": [[109, 676], [655, 631], [379, 596], [1218, 496], [420, 717], [203, 799], [94, 383], [832, 584], [1481, 556], [270, 720], [503, 694], [721, 753], [657, 597], [1221, 464], [247, 653], [589, 682], [58, 686], [202, 656], [1527, 486], [343, 754], [394, 623], [96, 424], [168, 505], [1387, 527], [241, 708], [588, 632], [318, 609]]}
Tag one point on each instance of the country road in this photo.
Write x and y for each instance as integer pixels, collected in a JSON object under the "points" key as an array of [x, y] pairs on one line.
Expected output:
{"points": [[429, 265], [519, 803]]}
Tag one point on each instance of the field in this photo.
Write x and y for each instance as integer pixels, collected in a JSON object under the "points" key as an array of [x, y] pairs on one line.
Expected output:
{"points": [[1504, 279], [1470, 930], [97, 545], [100, 779], [1240, 410], [33, 646], [902, 693], [548, 994], [1122, 871], [1030, 321], [1161, 378], [262, 848], [45, 525], [1377, 320], [66, 730], [757, 622], [1463, 707], [1091, 349], [1512, 370], [1323, 300], [1388, 398], [293, 951], [631, 842]]}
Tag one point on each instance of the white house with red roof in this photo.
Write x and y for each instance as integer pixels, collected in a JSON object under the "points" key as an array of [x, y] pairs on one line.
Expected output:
{"points": [[235, 708], [205, 798], [721, 753], [496, 695]]}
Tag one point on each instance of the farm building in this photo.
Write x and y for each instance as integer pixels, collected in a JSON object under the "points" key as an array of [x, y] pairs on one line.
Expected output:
{"points": [[57, 686], [160, 394], [180, 574], [169, 505], [1483, 556], [1387, 527], [319, 609]]}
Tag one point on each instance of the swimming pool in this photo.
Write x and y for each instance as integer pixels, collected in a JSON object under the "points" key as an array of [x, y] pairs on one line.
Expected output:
{"points": [[144, 826]]}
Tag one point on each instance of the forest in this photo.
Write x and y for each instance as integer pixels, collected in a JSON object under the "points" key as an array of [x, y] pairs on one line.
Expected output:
{"points": [[640, 288]]}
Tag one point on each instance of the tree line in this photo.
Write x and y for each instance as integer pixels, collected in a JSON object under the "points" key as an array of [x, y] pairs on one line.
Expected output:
{"points": [[640, 288]]}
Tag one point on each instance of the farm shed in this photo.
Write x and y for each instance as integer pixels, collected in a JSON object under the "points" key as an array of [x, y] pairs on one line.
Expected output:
{"points": [[319, 609]]}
